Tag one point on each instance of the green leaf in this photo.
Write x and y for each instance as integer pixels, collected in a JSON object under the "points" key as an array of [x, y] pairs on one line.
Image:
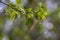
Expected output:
{"points": [[18, 1], [30, 9]]}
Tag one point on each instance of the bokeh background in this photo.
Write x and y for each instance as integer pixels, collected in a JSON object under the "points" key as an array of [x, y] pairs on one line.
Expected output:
{"points": [[18, 31]]}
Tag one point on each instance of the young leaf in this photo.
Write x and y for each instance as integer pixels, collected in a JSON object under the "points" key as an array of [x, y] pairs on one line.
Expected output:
{"points": [[18, 1]]}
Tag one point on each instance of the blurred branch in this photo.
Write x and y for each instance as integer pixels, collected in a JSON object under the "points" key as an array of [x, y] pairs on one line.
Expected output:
{"points": [[10, 6]]}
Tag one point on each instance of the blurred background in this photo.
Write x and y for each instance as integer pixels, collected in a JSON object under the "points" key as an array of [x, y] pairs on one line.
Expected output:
{"points": [[10, 30]]}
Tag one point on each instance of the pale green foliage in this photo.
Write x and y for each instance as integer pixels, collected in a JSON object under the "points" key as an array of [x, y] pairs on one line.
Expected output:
{"points": [[14, 13], [17, 11], [41, 12], [18, 1]]}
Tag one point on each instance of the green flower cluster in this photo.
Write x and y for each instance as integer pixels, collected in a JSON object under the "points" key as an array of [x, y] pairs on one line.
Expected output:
{"points": [[14, 11], [41, 11]]}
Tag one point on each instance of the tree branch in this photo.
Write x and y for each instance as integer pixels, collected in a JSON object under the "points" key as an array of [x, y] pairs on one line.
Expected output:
{"points": [[10, 6]]}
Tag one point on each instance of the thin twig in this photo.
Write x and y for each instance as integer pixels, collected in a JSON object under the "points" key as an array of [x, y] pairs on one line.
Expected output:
{"points": [[10, 6]]}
